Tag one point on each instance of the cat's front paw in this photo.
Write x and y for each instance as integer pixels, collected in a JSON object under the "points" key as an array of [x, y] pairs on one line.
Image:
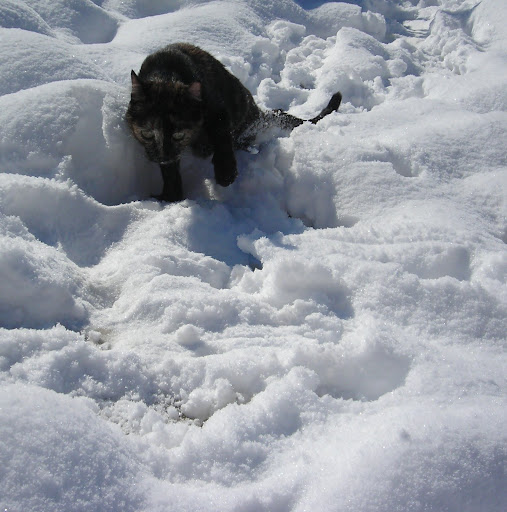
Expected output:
{"points": [[225, 169], [226, 180], [168, 197]]}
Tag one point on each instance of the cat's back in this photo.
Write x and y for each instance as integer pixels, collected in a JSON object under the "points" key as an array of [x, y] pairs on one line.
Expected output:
{"points": [[220, 89], [172, 62], [186, 63], [209, 71]]}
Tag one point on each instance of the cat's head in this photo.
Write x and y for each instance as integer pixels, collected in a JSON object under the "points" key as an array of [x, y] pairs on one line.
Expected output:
{"points": [[164, 116]]}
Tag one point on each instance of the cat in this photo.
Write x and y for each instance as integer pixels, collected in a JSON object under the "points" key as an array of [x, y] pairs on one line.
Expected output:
{"points": [[183, 98]]}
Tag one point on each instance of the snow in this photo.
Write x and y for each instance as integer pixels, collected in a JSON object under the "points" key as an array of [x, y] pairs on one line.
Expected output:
{"points": [[328, 333]]}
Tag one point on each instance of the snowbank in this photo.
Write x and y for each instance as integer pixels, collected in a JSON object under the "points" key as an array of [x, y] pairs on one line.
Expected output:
{"points": [[328, 333]]}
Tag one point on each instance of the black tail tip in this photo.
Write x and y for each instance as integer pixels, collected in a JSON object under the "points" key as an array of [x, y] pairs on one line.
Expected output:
{"points": [[335, 101], [332, 106]]}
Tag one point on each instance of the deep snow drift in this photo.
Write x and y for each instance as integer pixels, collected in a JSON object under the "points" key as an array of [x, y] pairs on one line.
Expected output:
{"points": [[328, 333]]}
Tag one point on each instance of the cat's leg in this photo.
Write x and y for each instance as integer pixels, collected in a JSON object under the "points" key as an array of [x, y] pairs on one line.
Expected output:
{"points": [[173, 190], [224, 161]]}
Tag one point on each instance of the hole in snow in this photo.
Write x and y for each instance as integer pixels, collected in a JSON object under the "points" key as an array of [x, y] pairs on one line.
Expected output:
{"points": [[359, 373], [365, 377]]}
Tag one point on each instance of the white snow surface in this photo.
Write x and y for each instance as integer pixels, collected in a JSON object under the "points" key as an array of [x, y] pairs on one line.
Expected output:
{"points": [[326, 334]]}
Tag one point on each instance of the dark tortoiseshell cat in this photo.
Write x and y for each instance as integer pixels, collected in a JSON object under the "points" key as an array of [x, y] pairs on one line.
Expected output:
{"points": [[185, 98]]}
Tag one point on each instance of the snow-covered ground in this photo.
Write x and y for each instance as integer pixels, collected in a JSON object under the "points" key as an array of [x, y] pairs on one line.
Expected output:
{"points": [[327, 334]]}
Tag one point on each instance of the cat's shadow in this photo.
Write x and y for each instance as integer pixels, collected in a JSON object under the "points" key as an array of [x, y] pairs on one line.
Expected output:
{"points": [[217, 217]]}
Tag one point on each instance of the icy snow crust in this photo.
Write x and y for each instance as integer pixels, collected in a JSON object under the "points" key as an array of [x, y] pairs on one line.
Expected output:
{"points": [[328, 333]]}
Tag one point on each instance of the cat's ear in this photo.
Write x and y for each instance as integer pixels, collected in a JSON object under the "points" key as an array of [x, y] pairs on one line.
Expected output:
{"points": [[137, 88], [195, 90]]}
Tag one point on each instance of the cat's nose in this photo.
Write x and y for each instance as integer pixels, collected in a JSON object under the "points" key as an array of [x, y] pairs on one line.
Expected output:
{"points": [[167, 157]]}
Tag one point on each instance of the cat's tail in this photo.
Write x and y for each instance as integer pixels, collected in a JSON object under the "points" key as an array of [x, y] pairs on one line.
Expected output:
{"points": [[288, 121], [332, 106]]}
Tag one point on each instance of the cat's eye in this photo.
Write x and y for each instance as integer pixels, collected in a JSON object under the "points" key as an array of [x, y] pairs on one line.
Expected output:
{"points": [[147, 134], [178, 136]]}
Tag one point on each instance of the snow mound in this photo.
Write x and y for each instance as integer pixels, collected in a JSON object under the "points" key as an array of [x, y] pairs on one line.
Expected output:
{"points": [[100, 476], [81, 21], [327, 333]]}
